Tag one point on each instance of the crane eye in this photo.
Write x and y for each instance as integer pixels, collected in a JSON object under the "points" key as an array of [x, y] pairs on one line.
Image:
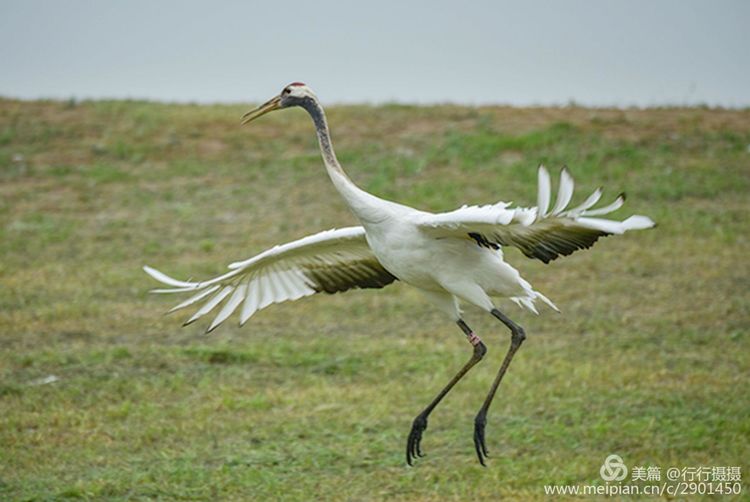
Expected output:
{"points": [[286, 91]]}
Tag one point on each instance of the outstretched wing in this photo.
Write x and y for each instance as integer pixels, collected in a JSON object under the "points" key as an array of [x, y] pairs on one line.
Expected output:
{"points": [[538, 232], [331, 261]]}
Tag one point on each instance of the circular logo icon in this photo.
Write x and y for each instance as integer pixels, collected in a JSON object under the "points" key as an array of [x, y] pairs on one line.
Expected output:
{"points": [[613, 469]]}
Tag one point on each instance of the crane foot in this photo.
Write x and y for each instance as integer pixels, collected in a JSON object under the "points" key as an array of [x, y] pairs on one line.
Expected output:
{"points": [[413, 449], [479, 444]]}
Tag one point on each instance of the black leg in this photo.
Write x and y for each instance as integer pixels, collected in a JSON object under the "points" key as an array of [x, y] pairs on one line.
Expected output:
{"points": [[419, 425], [517, 337]]}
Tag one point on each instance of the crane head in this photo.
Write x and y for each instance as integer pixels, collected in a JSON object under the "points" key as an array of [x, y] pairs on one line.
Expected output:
{"points": [[294, 94]]}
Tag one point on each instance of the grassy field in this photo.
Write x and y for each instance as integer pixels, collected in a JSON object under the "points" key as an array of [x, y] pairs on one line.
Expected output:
{"points": [[313, 400]]}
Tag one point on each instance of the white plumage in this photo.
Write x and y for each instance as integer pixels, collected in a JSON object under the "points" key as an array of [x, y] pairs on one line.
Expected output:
{"points": [[450, 257], [341, 259], [331, 261]]}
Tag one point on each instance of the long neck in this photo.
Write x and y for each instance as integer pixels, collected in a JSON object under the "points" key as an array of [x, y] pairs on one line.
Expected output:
{"points": [[364, 205]]}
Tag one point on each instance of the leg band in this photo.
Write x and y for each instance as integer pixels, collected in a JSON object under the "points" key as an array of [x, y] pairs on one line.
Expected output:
{"points": [[474, 340]]}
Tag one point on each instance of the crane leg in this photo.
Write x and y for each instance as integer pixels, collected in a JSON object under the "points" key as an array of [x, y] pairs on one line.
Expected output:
{"points": [[517, 337], [419, 425]]}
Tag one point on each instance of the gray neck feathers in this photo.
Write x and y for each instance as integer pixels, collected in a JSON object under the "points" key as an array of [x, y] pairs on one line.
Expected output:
{"points": [[324, 137], [365, 206]]}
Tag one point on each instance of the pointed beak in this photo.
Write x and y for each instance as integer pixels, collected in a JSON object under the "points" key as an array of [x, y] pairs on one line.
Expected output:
{"points": [[268, 106]]}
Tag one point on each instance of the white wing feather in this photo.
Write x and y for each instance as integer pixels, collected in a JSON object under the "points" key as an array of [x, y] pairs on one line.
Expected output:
{"points": [[195, 298], [537, 233], [544, 193], [588, 203], [330, 261], [564, 193]]}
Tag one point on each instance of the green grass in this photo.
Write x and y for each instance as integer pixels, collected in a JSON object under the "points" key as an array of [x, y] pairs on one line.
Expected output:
{"points": [[313, 400]]}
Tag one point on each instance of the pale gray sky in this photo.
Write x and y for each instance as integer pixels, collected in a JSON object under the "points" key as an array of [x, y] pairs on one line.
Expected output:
{"points": [[596, 52]]}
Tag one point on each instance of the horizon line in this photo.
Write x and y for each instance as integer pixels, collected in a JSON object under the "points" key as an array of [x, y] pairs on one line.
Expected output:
{"points": [[571, 103]]}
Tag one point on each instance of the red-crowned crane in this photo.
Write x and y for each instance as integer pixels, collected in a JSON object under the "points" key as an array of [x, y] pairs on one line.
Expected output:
{"points": [[450, 257]]}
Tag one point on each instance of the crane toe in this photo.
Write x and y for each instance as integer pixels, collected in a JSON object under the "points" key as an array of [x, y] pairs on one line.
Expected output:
{"points": [[479, 443], [413, 443]]}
